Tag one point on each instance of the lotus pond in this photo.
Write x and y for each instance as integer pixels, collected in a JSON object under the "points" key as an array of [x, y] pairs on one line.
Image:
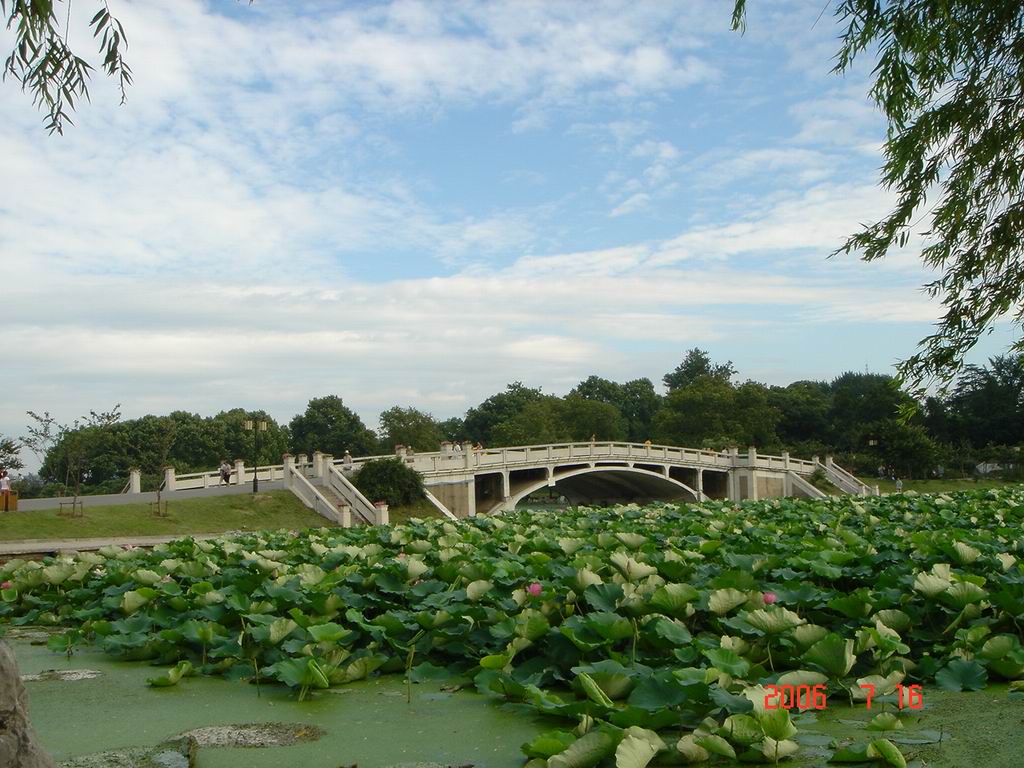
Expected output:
{"points": [[626, 637]]}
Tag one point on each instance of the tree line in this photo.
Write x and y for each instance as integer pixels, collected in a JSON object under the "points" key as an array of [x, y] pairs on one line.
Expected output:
{"points": [[860, 418]]}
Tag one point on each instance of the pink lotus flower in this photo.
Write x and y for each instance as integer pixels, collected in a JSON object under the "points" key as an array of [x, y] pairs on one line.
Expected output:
{"points": [[6, 585], [534, 588], [769, 597]]}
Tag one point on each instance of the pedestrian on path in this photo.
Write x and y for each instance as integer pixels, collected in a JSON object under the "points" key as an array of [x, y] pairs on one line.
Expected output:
{"points": [[5, 488], [225, 472], [899, 485]]}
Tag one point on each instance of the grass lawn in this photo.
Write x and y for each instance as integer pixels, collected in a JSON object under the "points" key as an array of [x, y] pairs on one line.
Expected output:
{"points": [[267, 511], [939, 485], [421, 509]]}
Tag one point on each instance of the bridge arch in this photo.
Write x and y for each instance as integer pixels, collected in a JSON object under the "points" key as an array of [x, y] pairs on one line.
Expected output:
{"points": [[606, 481]]}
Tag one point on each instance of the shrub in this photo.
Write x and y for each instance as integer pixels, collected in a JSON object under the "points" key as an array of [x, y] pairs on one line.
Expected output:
{"points": [[389, 480]]}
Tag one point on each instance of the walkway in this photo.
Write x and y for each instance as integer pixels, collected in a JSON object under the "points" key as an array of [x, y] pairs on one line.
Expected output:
{"points": [[10, 549]]}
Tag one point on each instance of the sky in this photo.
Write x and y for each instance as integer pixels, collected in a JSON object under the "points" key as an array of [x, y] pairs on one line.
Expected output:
{"points": [[416, 203]]}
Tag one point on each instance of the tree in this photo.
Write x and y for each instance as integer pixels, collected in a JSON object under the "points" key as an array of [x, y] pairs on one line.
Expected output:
{"points": [[636, 400], [328, 426], [74, 446], [9, 458], [948, 79], [907, 448], [482, 420], [453, 429], [42, 434], [561, 420], [389, 480], [987, 403], [539, 422], [409, 426], [44, 64], [804, 407], [860, 402], [710, 412], [697, 363]]}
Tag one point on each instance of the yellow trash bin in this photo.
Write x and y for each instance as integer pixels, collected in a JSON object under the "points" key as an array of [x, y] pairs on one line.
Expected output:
{"points": [[9, 503]]}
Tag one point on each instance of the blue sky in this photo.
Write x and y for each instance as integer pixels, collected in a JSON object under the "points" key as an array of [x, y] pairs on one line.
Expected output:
{"points": [[417, 202]]}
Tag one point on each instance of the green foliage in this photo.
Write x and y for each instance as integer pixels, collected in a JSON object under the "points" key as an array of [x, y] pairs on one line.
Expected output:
{"points": [[105, 452], [409, 427], [641, 628], [328, 425], [9, 454], [696, 365], [636, 400], [482, 420], [561, 420], [45, 65], [712, 412], [389, 480], [987, 404], [947, 77]]}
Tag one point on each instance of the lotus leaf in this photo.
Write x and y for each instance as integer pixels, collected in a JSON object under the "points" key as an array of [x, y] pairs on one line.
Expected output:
{"points": [[772, 621], [586, 752], [722, 601], [690, 751]]}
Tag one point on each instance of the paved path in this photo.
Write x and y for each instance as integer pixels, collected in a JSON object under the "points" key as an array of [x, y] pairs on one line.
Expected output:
{"points": [[117, 499], [49, 546]]}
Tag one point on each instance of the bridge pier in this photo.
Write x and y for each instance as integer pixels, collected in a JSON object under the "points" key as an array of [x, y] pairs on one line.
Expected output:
{"points": [[458, 497]]}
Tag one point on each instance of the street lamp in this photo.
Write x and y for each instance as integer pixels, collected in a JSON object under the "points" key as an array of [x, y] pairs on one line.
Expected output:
{"points": [[255, 427]]}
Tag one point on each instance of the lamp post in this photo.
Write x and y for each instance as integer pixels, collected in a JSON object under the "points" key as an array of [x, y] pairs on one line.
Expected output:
{"points": [[255, 427]]}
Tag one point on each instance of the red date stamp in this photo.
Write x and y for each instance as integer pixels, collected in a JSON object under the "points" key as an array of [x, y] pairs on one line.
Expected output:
{"points": [[815, 696]]}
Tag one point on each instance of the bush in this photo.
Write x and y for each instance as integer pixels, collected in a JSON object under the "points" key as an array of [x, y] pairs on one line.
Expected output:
{"points": [[389, 480]]}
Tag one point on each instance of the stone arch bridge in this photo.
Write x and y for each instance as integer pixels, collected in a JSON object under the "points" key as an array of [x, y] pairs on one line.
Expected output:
{"points": [[462, 482]]}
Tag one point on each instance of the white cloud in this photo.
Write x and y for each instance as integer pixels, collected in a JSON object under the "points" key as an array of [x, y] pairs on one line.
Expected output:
{"points": [[218, 241], [631, 204]]}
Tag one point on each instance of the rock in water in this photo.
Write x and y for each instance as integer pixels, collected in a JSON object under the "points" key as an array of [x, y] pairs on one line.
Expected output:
{"points": [[175, 753], [19, 747]]}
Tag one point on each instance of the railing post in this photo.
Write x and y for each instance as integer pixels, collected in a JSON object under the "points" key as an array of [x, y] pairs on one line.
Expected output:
{"points": [[828, 462], [345, 513], [134, 480], [318, 464], [169, 480], [300, 459], [785, 460], [326, 462], [380, 513], [752, 456], [815, 460], [239, 472], [289, 467]]}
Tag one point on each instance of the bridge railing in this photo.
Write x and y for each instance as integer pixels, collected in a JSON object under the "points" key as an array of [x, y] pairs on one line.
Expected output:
{"points": [[452, 462], [447, 462]]}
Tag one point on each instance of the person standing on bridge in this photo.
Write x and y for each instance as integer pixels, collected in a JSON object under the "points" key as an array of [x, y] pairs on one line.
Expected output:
{"points": [[225, 472], [346, 461]]}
